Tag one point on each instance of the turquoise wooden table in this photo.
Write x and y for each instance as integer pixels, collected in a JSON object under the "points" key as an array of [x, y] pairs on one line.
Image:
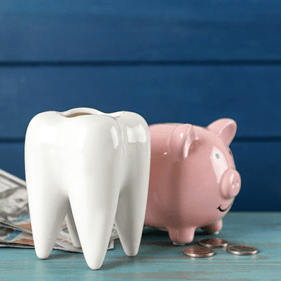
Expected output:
{"points": [[158, 259]]}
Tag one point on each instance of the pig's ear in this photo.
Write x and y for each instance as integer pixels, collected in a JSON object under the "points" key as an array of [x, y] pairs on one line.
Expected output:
{"points": [[224, 128], [182, 138]]}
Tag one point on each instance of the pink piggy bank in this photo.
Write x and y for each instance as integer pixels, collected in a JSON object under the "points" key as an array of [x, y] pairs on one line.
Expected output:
{"points": [[193, 179]]}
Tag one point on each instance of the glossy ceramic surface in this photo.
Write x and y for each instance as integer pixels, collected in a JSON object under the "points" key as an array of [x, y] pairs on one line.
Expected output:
{"points": [[92, 168], [193, 179]]}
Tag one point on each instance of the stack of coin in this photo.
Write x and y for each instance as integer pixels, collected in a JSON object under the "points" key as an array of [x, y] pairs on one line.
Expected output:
{"points": [[206, 251], [213, 243], [241, 250], [198, 252]]}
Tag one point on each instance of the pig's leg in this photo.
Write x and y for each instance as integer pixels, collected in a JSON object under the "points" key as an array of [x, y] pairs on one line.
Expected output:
{"points": [[181, 236], [214, 228]]}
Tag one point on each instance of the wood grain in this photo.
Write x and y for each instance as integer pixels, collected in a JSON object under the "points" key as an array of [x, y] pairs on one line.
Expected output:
{"points": [[158, 259], [196, 95], [187, 61], [140, 30]]}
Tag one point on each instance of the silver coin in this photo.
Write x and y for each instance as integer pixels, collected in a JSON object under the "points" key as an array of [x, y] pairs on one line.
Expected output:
{"points": [[198, 252], [213, 243], [241, 250]]}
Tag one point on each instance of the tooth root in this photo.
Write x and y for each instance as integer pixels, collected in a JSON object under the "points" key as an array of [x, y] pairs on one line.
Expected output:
{"points": [[72, 230], [47, 212], [132, 202], [94, 207], [129, 221]]}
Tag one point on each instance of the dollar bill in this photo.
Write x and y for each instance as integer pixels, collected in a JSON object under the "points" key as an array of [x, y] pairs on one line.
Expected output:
{"points": [[12, 236], [64, 240], [13, 197], [14, 215], [15, 238]]}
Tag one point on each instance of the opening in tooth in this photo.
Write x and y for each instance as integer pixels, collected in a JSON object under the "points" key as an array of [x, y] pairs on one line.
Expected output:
{"points": [[89, 111], [117, 114], [77, 114]]}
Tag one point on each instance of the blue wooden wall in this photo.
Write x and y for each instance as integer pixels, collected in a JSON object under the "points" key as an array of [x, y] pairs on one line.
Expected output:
{"points": [[185, 61]]}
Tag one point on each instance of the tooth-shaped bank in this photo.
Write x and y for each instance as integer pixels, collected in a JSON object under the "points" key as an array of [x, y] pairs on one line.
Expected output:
{"points": [[93, 169]]}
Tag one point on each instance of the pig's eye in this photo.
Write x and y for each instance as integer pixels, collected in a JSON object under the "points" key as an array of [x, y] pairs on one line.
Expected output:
{"points": [[217, 156], [230, 152]]}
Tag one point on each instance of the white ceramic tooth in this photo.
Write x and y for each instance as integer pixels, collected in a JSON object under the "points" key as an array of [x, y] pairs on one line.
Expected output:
{"points": [[133, 194], [94, 167]]}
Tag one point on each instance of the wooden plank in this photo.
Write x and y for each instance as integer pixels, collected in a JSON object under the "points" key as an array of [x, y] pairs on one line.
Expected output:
{"points": [[158, 259], [196, 95], [12, 158], [139, 30], [257, 163], [259, 167]]}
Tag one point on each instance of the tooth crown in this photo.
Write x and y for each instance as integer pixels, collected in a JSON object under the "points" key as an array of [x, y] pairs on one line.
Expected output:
{"points": [[92, 168]]}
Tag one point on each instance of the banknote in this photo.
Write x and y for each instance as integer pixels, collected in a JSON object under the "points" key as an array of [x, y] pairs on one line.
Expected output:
{"points": [[14, 245], [14, 215], [64, 240], [13, 197], [9, 235], [15, 238], [23, 224]]}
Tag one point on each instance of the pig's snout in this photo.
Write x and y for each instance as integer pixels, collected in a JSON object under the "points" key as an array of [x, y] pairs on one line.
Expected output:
{"points": [[230, 183]]}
